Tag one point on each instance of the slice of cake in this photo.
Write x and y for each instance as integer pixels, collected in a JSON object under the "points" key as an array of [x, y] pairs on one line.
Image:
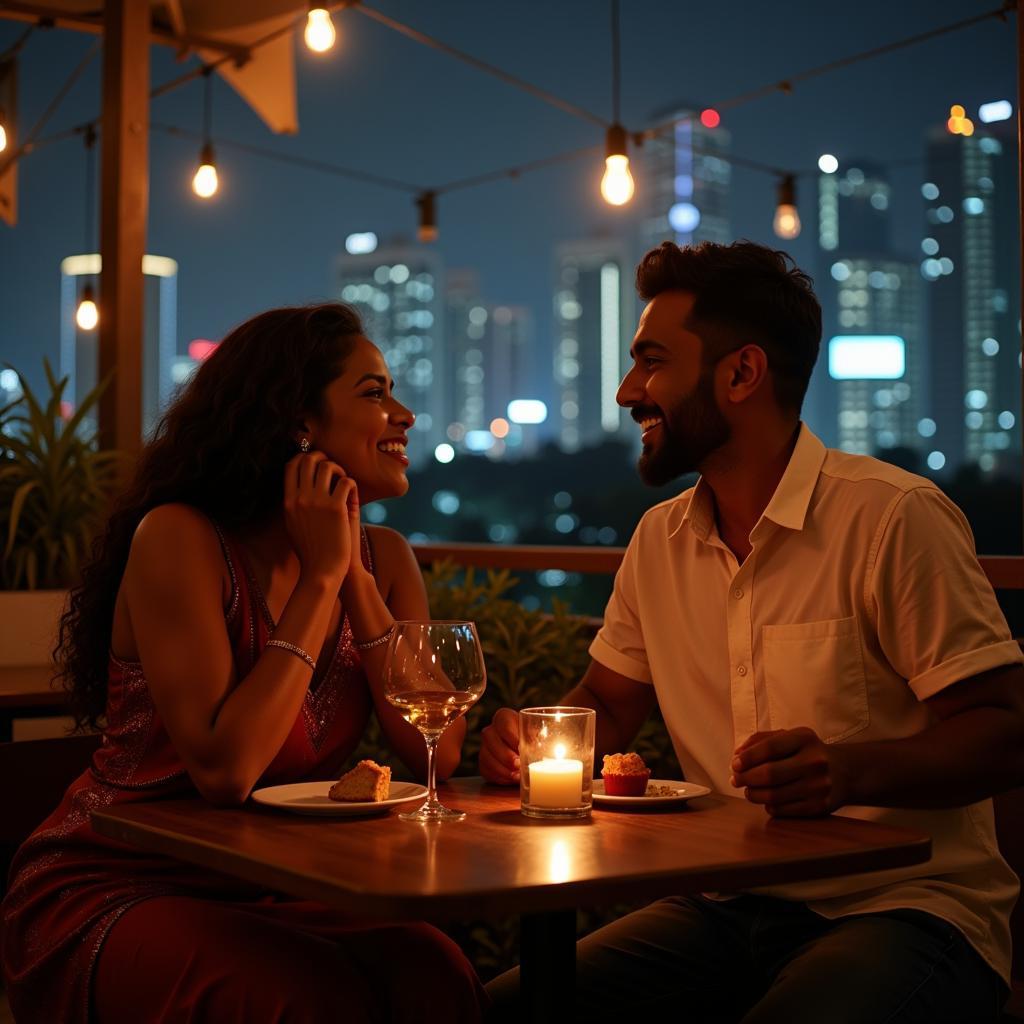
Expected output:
{"points": [[368, 782], [625, 775]]}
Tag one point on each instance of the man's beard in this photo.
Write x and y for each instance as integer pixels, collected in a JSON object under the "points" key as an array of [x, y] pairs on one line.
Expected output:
{"points": [[691, 430]]}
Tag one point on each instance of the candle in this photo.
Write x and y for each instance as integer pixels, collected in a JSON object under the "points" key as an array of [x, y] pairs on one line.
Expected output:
{"points": [[556, 747], [556, 782]]}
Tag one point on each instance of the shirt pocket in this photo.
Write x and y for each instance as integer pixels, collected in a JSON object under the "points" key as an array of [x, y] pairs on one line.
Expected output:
{"points": [[814, 675]]}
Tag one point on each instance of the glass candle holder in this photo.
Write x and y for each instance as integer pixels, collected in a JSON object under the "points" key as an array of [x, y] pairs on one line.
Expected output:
{"points": [[556, 757]]}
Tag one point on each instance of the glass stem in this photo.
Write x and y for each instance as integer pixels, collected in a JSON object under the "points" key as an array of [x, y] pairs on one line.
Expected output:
{"points": [[431, 769]]}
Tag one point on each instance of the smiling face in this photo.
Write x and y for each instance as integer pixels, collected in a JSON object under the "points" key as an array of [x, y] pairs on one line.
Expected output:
{"points": [[671, 394], [363, 427]]}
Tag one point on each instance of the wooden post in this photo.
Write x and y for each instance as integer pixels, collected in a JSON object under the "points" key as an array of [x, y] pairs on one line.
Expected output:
{"points": [[124, 207]]}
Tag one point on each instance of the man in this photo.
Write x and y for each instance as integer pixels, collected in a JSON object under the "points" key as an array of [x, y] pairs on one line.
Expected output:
{"points": [[819, 636]]}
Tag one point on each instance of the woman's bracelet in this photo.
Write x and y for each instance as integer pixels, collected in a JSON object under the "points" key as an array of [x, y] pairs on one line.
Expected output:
{"points": [[377, 641], [293, 649]]}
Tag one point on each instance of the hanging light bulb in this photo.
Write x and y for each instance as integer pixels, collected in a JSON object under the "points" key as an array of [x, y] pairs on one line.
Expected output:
{"points": [[787, 220], [3, 132], [319, 34], [427, 230], [87, 316], [617, 184], [204, 181]]}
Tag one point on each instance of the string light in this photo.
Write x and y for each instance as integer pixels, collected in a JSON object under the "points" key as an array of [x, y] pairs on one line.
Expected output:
{"points": [[205, 181], [87, 316], [320, 34], [427, 231], [787, 220], [3, 130], [617, 185]]}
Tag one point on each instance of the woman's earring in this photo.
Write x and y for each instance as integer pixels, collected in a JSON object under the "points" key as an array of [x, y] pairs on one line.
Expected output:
{"points": [[304, 445]]}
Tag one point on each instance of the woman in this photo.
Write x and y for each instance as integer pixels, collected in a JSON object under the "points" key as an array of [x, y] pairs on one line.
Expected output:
{"points": [[231, 631]]}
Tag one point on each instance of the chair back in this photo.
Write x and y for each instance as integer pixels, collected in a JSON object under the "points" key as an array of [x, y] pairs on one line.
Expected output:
{"points": [[36, 774], [1009, 808]]}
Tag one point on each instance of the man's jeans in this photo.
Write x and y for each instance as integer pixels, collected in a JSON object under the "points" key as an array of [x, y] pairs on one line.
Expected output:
{"points": [[758, 960]]}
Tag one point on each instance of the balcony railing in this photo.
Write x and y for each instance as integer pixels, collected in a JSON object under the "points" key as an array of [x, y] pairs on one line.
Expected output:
{"points": [[1005, 572]]}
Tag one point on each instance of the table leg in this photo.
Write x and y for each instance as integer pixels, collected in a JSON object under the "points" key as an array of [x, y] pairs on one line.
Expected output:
{"points": [[547, 968]]}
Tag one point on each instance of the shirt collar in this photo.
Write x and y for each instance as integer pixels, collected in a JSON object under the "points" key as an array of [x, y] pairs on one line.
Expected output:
{"points": [[790, 501]]}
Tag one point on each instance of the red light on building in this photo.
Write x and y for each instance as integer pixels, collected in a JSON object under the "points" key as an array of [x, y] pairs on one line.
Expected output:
{"points": [[710, 118], [200, 349]]}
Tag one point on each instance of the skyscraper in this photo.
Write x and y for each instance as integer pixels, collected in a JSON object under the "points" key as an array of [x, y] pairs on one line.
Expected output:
{"points": [[79, 350], [467, 339], [869, 391], [593, 318], [398, 290], [508, 376], [970, 266], [489, 348], [686, 181]]}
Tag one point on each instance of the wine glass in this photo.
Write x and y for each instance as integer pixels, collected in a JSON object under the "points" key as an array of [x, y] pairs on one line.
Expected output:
{"points": [[433, 673]]}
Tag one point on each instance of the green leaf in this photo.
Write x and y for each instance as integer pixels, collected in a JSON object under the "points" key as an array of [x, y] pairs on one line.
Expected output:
{"points": [[55, 485], [20, 496]]}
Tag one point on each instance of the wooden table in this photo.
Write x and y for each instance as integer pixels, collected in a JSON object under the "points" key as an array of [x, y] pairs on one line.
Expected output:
{"points": [[25, 692], [497, 863]]}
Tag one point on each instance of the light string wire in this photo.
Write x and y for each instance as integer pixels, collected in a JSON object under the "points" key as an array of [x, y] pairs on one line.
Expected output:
{"points": [[784, 85], [52, 107]]}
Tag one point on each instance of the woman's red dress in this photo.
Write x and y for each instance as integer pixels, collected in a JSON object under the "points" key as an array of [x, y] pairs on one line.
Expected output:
{"points": [[70, 887]]}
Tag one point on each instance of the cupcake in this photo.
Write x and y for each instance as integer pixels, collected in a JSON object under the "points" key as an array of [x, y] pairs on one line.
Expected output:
{"points": [[624, 775]]}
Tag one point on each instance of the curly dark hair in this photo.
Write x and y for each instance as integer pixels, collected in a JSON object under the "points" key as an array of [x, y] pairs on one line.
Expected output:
{"points": [[220, 447], [744, 292]]}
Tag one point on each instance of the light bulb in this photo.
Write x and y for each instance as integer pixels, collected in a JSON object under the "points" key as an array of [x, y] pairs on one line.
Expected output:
{"points": [[427, 230], [617, 184], [3, 138], [204, 184], [87, 316], [787, 221], [204, 181], [319, 34]]}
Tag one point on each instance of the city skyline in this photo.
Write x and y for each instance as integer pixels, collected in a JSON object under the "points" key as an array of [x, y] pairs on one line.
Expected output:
{"points": [[741, 200]]}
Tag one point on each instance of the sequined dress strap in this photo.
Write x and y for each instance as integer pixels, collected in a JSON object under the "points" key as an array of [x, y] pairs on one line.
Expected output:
{"points": [[226, 549]]}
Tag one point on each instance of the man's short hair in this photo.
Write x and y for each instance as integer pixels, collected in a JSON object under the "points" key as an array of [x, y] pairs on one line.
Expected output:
{"points": [[744, 293]]}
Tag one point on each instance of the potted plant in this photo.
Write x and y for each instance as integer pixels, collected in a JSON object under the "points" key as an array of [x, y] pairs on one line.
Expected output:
{"points": [[55, 487]]}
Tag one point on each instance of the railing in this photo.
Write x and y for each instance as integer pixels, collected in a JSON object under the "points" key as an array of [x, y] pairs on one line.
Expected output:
{"points": [[1005, 572]]}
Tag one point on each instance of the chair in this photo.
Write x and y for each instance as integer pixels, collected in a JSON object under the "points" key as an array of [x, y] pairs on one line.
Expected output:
{"points": [[36, 774], [1009, 809]]}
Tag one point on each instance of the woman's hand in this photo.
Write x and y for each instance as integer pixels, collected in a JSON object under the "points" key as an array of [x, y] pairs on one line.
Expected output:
{"points": [[320, 504]]}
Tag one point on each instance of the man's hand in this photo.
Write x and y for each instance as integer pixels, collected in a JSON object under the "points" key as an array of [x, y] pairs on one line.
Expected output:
{"points": [[499, 748], [791, 771]]}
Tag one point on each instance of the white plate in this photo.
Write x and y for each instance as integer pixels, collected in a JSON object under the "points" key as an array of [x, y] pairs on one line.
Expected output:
{"points": [[312, 798], [683, 791]]}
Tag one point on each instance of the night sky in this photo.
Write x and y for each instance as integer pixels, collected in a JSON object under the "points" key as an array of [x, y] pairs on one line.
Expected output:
{"points": [[384, 104]]}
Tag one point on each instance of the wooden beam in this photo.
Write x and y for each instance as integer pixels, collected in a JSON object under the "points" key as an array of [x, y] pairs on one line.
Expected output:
{"points": [[124, 207], [17, 10]]}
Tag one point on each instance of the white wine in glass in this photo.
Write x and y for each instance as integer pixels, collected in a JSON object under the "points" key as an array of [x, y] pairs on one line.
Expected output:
{"points": [[434, 672]]}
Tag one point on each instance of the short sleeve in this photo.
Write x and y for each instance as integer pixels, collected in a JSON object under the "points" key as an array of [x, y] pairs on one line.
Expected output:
{"points": [[619, 644], [937, 617]]}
